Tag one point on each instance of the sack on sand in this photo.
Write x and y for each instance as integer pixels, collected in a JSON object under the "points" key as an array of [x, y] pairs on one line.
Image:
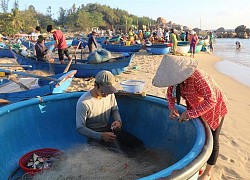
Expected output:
{"points": [[99, 56]]}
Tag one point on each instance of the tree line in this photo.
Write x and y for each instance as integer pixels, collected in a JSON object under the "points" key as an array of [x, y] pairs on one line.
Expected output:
{"points": [[82, 18]]}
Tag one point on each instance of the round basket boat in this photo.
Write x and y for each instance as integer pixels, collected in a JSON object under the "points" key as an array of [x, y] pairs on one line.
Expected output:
{"points": [[38, 123]]}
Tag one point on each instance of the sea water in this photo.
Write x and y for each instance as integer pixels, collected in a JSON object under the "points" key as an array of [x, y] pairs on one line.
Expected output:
{"points": [[235, 63]]}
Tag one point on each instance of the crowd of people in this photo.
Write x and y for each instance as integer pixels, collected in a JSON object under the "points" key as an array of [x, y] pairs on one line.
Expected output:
{"points": [[158, 36], [182, 77], [145, 37]]}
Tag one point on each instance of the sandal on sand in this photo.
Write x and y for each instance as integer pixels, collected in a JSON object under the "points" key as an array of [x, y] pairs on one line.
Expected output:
{"points": [[201, 171]]}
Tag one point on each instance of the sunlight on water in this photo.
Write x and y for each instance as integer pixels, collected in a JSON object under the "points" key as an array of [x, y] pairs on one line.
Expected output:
{"points": [[236, 63]]}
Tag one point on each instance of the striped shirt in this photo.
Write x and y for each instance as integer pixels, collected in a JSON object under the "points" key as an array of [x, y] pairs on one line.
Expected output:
{"points": [[203, 98]]}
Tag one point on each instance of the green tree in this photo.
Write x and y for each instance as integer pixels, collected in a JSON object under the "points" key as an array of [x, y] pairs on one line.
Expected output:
{"points": [[17, 22], [16, 5], [62, 16], [83, 20], [96, 19], [49, 11]]}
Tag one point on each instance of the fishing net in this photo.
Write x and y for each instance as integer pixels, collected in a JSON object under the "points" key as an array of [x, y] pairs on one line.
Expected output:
{"points": [[93, 162]]}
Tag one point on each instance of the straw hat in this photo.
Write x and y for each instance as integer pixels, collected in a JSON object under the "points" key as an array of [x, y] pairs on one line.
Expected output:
{"points": [[174, 70]]}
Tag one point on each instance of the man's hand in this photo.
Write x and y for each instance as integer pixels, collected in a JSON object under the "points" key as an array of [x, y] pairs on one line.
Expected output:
{"points": [[116, 125], [108, 137]]}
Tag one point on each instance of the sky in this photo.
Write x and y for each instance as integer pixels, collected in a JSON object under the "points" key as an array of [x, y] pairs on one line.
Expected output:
{"points": [[207, 15]]}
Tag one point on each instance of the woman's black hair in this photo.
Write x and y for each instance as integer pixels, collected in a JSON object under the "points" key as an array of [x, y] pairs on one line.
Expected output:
{"points": [[178, 94], [97, 84]]}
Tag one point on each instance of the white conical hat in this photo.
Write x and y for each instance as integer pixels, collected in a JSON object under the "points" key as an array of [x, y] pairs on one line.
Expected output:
{"points": [[174, 70]]}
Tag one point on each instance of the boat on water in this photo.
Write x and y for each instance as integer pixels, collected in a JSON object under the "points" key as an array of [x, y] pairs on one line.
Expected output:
{"points": [[49, 122], [122, 48], [158, 49], [115, 65], [36, 86]]}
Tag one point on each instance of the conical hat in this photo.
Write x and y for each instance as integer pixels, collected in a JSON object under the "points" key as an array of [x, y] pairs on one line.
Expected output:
{"points": [[174, 70]]}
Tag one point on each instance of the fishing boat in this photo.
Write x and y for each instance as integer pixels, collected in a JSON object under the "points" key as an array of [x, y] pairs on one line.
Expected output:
{"points": [[181, 43], [114, 39], [6, 53], [198, 48], [3, 46], [35, 86], [75, 42], [30, 45], [49, 122], [158, 49], [115, 65], [122, 48]]}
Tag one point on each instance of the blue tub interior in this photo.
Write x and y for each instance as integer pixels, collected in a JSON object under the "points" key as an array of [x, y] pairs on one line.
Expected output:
{"points": [[30, 125]]}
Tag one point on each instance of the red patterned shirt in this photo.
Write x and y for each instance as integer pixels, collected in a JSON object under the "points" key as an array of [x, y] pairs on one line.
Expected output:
{"points": [[203, 98]]}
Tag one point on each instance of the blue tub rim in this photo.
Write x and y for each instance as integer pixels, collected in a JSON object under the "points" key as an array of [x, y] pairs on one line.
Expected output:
{"points": [[178, 174]]}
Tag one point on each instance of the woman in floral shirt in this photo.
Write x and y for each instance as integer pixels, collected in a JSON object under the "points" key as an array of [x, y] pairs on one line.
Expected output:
{"points": [[202, 95]]}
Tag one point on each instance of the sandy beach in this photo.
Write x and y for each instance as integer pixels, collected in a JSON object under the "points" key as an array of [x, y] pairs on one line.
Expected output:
{"points": [[233, 161]]}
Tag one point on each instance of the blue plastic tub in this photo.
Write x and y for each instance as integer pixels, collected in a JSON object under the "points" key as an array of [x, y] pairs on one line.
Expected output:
{"points": [[50, 122]]}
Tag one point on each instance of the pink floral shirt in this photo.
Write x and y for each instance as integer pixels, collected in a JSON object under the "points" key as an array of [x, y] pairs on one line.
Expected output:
{"points": [[203, 98]]}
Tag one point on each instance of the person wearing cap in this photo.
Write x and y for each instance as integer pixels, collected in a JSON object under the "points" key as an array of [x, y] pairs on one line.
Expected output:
{"points": [[92, 44], [93, 111], [203, 97], [94, 108], [193, 41], [60, 43], [40, 49]]}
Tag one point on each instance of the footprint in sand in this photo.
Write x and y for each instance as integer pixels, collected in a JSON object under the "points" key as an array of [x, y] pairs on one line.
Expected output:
{"points": [[226, 158], [223, 157], [230, 174], [231, 140]]}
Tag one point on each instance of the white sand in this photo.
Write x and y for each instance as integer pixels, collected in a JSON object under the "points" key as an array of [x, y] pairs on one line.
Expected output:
{"points": [[233, 161]]}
